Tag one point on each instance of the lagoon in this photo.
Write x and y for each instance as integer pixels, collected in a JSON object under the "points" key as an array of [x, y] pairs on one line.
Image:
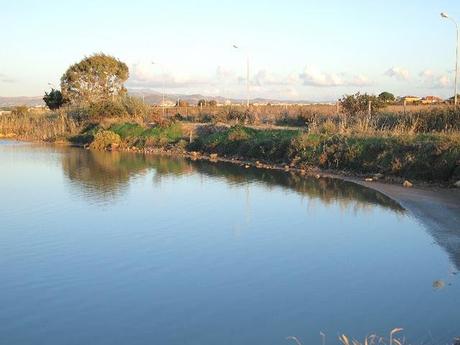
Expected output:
{"points": [[121, 248]]}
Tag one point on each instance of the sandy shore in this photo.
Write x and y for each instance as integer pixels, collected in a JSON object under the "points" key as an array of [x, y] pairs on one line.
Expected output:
{"points": [[436, 207]]}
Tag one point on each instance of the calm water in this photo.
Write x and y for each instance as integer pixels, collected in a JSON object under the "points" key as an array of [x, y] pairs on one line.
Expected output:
{"points": [[110, 248]]}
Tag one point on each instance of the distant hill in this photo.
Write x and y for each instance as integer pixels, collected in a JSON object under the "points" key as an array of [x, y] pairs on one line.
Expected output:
{"points": [[150, 97], [15, 101], [154, 97]]}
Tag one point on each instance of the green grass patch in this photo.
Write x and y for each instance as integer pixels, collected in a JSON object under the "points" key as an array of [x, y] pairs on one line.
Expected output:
{"points": [[247, 142], [127, 130], [87, 135], [427, 156]]}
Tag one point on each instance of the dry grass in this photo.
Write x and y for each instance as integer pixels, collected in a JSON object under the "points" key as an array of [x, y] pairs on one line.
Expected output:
{"points": [[280, 114], [38, 125]]}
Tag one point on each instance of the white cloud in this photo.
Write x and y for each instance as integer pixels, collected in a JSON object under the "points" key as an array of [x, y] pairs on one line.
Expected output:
{"points": [[398, 73], [225, 74], [228, 83], [266, 78], [312, 76], [150, 75], [359, 80], [5, 79], [433, 80]]}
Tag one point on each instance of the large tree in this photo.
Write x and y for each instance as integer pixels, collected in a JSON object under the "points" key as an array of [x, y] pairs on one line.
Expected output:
{"points": [[94, 79]]}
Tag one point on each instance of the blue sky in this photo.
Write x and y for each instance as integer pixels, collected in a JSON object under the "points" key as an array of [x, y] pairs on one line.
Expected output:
{"points": [[312, 50]]}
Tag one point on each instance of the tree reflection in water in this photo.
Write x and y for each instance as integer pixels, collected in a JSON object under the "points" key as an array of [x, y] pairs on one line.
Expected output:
{"points": [[105, 176]]}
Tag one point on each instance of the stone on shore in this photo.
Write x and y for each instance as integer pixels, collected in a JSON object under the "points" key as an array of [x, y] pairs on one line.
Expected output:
{"points": [[407, 184], [377, 176]]}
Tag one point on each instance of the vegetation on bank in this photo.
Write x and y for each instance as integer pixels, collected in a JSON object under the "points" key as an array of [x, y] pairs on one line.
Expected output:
{"points": [[425, 147], [433, 157], [363, 136]]}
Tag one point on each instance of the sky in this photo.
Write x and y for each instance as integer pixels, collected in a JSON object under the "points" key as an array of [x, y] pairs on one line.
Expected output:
{"points": [[297, 49]]}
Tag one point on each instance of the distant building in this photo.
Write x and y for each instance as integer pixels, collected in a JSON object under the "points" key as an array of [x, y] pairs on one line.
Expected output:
{"points": [[410, 99], [432, 100], [167, 104]]}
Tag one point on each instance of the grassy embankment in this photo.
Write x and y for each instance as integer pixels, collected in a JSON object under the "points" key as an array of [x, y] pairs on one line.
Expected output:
{"points": [[423, 145]]}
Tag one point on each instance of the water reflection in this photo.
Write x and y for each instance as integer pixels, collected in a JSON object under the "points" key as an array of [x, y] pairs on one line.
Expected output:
{"points": [[234, 247], [105, 176]]}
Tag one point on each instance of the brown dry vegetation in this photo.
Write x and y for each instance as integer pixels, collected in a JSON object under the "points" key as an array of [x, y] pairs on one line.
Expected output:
{"points": [[279, 114], [421, 143], [38, 125]]}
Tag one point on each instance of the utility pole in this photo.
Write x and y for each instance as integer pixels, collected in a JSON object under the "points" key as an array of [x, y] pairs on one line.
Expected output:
{"points": [[163, 88], [247, 76], [247, 81]]}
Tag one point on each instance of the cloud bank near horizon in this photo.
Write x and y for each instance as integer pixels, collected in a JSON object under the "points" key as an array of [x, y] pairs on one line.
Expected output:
{"points": [[311, 80]]}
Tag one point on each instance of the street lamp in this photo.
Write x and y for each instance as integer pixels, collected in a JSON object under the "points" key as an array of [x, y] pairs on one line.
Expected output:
{"points": [[163, 91], [446, 16], [247, 76]]}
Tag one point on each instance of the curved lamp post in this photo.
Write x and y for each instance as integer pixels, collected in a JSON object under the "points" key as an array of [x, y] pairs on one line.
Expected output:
{"points": [[446, 16]]}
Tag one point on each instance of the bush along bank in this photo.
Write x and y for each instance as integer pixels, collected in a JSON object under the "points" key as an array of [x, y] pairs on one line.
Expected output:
{"points": [[427, 157]]}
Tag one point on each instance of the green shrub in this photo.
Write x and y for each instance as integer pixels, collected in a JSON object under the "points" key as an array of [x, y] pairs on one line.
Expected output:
{"points": [[427, 157], [105, 140], [133, 134], [127, 130], [107, 108], [246, 117], [247, 142], [86, 136]]}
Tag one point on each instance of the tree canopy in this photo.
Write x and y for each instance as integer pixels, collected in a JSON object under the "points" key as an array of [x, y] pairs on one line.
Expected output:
{"points": [[205, 103], [54, 99], [93, 79], [387, 97], [359, 103], [181, 103]]}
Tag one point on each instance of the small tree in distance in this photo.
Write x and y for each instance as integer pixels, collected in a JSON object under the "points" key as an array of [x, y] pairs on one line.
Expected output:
{"points": [[181, 103], [54, 100], [387, 97], [205, 103], [358, 103]]}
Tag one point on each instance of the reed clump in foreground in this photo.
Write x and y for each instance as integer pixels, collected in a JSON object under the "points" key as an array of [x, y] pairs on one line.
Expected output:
{"points": [[393, 338], [372, 339]]}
